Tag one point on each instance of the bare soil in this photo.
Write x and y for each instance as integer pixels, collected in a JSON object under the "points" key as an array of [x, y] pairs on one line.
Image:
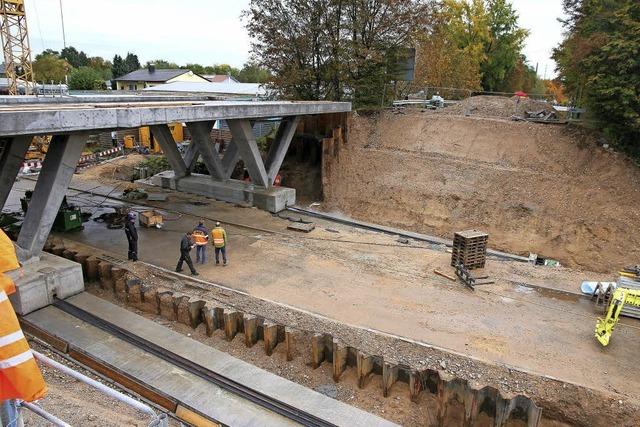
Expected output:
{"points": [[77, 403], [538, 188], [496, 106], [120, 168]]}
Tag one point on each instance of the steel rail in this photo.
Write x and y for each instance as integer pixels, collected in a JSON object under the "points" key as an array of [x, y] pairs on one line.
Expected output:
{"points": [[241, 390], [396, 232]]}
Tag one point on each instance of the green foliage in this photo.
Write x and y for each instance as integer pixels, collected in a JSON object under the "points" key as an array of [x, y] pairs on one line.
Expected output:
{"points": [[253, 73], [162, 64], [47, 52], [155, 164], [332, 49], [474, 44], [121, 66], [86, 78], [598, 63], [131, 62], [101, 66], [73, 57], [196, 68], [502, 49], [49, 67]]}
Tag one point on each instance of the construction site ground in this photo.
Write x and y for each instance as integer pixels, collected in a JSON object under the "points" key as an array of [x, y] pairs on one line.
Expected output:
{"points": [[371, 281], [79, 404], [541, 188]]}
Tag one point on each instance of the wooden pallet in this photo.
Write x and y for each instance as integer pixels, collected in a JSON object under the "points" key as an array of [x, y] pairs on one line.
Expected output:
{"points": [[469, 249]]}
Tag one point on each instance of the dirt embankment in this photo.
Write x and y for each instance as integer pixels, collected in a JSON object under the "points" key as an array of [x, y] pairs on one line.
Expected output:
{"points": [[535, 188]]}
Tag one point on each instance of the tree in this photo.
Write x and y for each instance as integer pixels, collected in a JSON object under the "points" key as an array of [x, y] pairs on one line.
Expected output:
{"points": [[47, 52], [161, 64], [101, 66], [599, 67], [253, 73], [86, 78], [474, 44], [451, 52], [131, 62], [73, 57], [222, 69], [503, 46], [49, 67], [555, 90], [117, 67], [523, 77], [196, 68], [329, 49], [120, 66]]}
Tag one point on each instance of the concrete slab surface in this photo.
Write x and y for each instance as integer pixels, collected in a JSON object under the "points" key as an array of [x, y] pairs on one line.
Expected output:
{"points": [[162, 376], [198, 394], [48, 118]]}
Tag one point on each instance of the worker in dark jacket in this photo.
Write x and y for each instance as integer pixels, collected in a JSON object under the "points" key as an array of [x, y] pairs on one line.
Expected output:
{"points": [[132, 236], [186, 244]]}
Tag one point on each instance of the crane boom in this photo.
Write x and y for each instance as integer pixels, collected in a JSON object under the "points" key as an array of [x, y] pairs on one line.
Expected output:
{"points": [[620, 298], [15, 46]]}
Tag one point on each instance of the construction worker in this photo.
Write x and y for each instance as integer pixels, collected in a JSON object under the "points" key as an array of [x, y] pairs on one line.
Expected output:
{"points": [[219, 237], [20, 377], [132, 236], [186, 244], [201, 240]]}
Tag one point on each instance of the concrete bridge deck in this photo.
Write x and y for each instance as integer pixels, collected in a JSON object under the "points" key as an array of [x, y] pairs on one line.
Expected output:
{"points": [[63, 117]]}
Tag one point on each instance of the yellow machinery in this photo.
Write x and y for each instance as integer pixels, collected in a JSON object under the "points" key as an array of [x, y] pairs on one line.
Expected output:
{"points": [[145, 136], [620, 297], [129, 142], [38, 148]]}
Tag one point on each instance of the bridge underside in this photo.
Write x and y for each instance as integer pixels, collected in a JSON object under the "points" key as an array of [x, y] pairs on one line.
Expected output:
{"points": [[72, 123]]}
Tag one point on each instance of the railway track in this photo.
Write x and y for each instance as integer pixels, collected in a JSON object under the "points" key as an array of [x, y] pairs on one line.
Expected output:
{"points": [[241, 390]]}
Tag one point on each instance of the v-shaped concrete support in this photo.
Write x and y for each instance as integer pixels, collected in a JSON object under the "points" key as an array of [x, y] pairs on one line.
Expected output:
{"points": [[278, 150], [191, 156], [163, 135], [242, 134], [230, 159], [201, 137], [11, 158], [54, 179]]}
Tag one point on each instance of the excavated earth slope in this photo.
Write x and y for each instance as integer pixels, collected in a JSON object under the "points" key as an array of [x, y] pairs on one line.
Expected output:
{"points": [[539, 188]]}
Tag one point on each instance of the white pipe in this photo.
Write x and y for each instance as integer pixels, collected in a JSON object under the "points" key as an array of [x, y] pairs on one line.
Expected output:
{"points": [[44, 414], [93, 383]]}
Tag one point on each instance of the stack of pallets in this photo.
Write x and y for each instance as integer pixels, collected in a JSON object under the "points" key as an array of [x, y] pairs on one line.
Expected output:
{"points": [[469, 249]]}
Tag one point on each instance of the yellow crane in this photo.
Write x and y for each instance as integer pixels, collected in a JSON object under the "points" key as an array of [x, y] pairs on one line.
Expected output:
{"points": [[15, 46], [620, 298]]}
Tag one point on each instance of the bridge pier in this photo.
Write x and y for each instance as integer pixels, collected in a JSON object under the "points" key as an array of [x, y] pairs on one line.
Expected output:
{"points": [[260, 192]]}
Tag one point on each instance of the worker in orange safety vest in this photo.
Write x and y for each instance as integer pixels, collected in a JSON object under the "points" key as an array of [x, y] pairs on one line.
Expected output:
{"points": [[20, 377], [200, 238], [219, 237]]}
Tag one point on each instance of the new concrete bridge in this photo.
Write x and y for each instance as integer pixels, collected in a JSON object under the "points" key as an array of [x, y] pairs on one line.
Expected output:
{"points": [[72, 120]]}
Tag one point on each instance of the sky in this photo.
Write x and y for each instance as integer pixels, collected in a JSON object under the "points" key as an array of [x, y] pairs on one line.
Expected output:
{"points": [[210, 31]]}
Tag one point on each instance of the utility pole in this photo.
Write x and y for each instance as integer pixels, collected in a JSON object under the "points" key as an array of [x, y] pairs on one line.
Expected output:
{"points": [[64, 38], [15, 45]]}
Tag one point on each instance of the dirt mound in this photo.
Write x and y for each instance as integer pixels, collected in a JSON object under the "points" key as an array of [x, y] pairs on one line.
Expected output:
{"points": [[120, 168], [535, 188], [496, 106]]}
